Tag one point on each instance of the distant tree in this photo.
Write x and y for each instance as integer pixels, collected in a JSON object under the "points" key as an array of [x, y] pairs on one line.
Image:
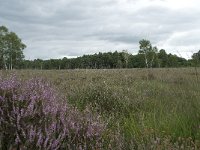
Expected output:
{"points": [[153, 56], [172, 60], [126, 57], [137, 61], [162, 58], [196, 58], [145, 47], [148, 51], [11, 49]]}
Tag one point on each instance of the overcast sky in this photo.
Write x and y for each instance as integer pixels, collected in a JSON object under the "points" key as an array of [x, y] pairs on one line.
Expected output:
{"points": [[68, 28]]}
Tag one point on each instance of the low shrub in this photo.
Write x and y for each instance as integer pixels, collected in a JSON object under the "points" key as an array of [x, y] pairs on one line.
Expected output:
{"points": [[34, 116]]}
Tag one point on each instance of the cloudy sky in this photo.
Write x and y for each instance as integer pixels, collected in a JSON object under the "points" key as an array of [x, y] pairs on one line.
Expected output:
{"points": [[68, 28]]}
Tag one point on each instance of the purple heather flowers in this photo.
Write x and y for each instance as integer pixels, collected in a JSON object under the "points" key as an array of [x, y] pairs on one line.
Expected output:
{"points": [[34, 116]]}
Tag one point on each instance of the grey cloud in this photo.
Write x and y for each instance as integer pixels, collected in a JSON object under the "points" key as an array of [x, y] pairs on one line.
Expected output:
{"points": [[168, 17], [188, 38], [58, 28]]}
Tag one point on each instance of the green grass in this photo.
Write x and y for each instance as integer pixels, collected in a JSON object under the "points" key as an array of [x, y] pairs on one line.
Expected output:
{"points": [[145, 109]]}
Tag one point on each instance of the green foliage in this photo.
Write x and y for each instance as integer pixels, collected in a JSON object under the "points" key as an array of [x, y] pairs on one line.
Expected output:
{"points": [[148, 51], [196, 58], [11, 49], [109, 61]]}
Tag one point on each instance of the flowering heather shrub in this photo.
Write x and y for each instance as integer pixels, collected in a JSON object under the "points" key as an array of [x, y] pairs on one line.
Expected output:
{"points": [[34, 116]]}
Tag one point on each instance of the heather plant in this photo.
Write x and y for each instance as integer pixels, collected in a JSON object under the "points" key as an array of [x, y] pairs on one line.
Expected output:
{"points": [[160, 111], [34, 116]]}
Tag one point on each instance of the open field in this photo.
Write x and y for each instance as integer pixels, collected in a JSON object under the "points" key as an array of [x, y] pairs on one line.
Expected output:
{"points": [[143, 109]]}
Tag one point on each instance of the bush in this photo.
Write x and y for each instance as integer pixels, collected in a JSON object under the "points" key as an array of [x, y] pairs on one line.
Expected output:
{"points": [[34, 116]]}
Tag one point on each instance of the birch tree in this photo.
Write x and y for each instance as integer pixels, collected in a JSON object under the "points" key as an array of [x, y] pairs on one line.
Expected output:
{"points": [[11, 49], [148, 51]]}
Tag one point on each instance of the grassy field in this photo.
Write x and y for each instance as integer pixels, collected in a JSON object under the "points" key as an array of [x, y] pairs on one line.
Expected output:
{"points": [[143, 109]]}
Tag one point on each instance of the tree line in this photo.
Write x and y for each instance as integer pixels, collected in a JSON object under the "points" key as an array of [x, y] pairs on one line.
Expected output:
{"points": [[11, 57]]}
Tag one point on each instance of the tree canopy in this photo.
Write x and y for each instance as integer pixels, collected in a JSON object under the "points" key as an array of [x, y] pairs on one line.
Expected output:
{"points": [[11, 49], [108, 60], [11, 56], [196, 58], [148, 51]]}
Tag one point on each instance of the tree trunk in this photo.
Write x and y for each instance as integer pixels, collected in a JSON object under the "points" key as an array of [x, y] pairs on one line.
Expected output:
{"points": [[11, 63], [152, 61], [146, 61], [4, 61]]}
